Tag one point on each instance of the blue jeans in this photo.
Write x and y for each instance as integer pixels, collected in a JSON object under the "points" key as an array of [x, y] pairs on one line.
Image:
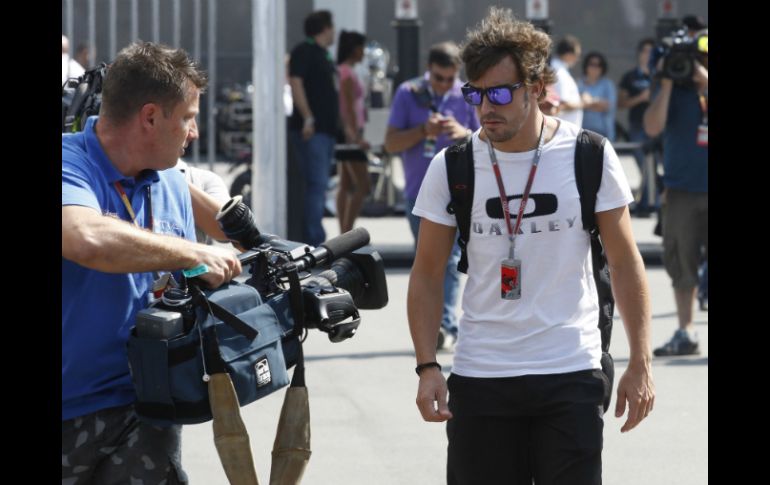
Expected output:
{"points": [[315, 158], [451, 275], [637, 134]]}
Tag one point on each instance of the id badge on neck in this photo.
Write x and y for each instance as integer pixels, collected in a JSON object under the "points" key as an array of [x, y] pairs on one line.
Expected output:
{"points": [[510, 282]]}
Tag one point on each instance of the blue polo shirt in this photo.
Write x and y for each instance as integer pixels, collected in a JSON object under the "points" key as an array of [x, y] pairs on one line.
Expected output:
{"points": [[685, 163], [98, 309]]}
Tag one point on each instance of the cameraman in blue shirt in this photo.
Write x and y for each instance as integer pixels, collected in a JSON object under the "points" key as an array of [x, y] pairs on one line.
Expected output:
{"points": [[124, 218]]}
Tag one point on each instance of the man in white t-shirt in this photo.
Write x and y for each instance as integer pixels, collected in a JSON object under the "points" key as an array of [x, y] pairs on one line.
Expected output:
{"points": [[206, 205], [69, 66], [571, 104], [526, 388]]}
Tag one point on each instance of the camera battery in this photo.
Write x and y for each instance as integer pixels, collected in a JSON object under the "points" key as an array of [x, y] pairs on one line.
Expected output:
{"points": [[158, 324]]}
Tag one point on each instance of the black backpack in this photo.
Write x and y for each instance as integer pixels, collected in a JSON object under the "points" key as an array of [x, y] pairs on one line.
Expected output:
{"points": [[589, 162]]}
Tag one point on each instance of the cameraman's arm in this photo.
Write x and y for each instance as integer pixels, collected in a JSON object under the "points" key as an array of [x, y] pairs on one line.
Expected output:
{"points": [[701, 78], [112, 245], [424, 306], [657, 113], [205, 209]]}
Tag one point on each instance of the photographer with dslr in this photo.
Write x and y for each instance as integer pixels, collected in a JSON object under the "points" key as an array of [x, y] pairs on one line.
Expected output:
{"points": [[679, 110], [125, 218]]}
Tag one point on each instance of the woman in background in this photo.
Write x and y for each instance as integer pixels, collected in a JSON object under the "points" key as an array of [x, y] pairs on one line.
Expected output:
{"points": [[352, 166], [599, 96]]}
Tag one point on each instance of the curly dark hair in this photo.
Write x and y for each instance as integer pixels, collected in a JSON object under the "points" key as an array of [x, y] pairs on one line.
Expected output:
{"points": [[500, 35]]}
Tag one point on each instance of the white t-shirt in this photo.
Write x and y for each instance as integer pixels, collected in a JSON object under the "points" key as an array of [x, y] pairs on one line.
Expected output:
{"points": [[207, 181], [70, 68], [567, 89], [553, 327]]}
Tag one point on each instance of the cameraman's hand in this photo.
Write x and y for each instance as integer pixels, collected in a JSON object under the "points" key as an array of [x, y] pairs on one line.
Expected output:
{"points": [[432, 391], [223, 265]]}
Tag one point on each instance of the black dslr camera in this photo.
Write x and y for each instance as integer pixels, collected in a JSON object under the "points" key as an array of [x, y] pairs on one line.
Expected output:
{"points": [[332, 297], [679, 52]]}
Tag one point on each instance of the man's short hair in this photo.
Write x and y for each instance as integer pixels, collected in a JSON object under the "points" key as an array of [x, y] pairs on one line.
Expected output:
{"points": [[694, 22], [317, 22], [646, 41], [501, 35], [145, 72], [569, 44], [444, 54]]}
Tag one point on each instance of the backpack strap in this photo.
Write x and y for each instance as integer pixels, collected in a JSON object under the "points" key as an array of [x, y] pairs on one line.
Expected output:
{"points": [[460, 173], [589, 164]]}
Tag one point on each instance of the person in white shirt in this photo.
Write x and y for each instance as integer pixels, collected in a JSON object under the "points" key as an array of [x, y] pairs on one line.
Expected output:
{"points": [[567, 54], [69, 67], [205, 206], [526, 388]]}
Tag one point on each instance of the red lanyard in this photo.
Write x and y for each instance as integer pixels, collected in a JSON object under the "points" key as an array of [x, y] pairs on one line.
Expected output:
{"points": [[130, 209], [512, 232]]}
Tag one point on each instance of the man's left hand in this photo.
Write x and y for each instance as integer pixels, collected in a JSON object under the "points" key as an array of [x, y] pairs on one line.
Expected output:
{"points": [[637, 388]]}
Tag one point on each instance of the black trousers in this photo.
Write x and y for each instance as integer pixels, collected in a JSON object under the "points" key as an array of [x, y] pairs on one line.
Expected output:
{"points": [[542, 429]]}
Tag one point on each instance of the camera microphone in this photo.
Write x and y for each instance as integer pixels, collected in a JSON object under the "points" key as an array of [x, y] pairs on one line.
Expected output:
{"points": [[333, 249]]}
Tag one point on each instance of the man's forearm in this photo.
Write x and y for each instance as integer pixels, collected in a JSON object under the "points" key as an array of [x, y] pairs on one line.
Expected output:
{"points": [[300, 98], [657, 113], [397, 141], [424, 305], [111, 245], [629, 287]]}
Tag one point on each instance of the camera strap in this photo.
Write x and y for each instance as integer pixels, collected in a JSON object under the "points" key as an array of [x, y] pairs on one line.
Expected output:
{"points": [[298, 312], [222, 313]]}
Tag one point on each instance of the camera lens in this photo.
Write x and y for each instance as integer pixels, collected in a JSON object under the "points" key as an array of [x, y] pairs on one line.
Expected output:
{"points": [[679, 66], [237, 222]]}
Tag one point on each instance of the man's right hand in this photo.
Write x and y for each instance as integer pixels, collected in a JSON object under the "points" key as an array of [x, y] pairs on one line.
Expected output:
{"points": [[433, 126], [432, 396], [308, 130], [223, 265]]}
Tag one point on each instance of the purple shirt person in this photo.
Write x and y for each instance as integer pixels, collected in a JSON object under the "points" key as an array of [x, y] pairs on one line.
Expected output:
{"points": [[429, 114]]}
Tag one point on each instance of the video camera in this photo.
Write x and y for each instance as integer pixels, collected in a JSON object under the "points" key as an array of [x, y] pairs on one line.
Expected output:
{"points": [[330, 299], [679, 52], [81, 97]]}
